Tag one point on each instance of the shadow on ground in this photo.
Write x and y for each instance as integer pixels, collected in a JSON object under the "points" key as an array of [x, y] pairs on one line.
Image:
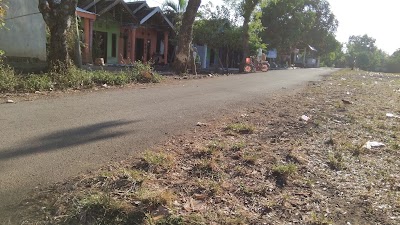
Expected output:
{"points": [[67, 138]]}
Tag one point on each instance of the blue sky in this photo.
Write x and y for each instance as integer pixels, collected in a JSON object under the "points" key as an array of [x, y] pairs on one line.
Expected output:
{"points": [[377, 19]]}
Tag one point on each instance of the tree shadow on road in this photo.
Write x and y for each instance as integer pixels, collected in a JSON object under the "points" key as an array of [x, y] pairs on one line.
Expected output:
{"points": [[67, 138]]}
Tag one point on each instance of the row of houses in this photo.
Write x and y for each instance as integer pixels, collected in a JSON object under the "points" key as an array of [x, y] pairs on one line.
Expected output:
{"points": [[119, 32]]}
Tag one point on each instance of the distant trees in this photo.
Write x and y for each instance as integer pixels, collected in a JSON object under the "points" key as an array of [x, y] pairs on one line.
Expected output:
{"points": [[366, 55], [393, 62], [295, 24]]}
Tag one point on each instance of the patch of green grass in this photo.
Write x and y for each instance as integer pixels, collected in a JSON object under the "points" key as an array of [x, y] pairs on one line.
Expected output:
{"points": [[319, 220], [240, 128], [283, 172], [216, 146], [238, 146], [395, 146], [210, 187], [151, 199], [206, 168], [157, 161], [99, 208], [336, 161], [250, 158], [212, 150], [8, 79], [285, 169], [133, 174], [75, 78], [170, 220], [34, 83]]}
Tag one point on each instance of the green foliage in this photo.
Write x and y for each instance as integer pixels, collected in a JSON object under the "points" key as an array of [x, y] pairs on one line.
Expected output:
{"points": [[3, 10], [296, 24], [37, 82], [98, 208], [143, 73], [363, 53], [336, 161], [393, 62], [74, 78], [8, 79], [157, 161], [285, 170], [216, 29], [240, 128]]}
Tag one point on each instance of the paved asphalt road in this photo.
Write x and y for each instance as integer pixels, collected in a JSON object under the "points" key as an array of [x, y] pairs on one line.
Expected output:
{"points": [[49, 140]]}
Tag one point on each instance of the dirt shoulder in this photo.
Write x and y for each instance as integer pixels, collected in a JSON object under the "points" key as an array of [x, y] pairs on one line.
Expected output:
{"points": [[298, 159]]}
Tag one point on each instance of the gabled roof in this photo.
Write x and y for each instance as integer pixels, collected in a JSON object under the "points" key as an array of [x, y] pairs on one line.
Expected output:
{"points": [[100, 7], [84, 11], [143, 12]]}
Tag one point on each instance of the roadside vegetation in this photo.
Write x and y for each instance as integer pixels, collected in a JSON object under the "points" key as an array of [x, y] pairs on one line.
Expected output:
{"points": [[11, 82], [267, 165]]}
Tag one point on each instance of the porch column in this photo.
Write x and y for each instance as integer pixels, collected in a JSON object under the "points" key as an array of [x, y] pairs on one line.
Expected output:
{"points": [[90, 59], [204, 62], [165, 47], [133, 45], [120, 56], [86, 34]]}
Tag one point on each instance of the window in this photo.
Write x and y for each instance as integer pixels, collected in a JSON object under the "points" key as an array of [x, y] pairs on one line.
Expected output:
{"points": [[114, 45]]}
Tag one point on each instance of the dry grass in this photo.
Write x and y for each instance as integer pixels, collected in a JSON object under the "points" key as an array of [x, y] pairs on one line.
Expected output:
{"points": [[287, 171]]}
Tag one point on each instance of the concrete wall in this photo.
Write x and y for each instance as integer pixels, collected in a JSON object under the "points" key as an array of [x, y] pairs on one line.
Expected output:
{"points": [[24, 36], [110, 27]]}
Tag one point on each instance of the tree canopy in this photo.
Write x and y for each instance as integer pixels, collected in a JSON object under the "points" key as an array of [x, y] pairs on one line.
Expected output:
{"points": [[393, 62], [365, 53], [295, 24]]}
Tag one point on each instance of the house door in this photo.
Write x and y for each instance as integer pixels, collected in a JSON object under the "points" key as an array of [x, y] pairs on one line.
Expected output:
{"points": [[100, 45], [148, 50], [139, 52]]}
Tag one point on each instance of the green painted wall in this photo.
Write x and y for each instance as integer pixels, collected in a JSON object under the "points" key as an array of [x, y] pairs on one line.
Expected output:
{"points": [[105, 24]]}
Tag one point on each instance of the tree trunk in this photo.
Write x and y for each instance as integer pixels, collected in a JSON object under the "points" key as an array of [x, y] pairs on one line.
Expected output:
{"points": [[57, 15], [248, 7], [245, 42], [182, 57]]}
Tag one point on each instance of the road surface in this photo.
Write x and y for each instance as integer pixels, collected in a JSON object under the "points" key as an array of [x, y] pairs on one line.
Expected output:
{"points": [[49, 140]]}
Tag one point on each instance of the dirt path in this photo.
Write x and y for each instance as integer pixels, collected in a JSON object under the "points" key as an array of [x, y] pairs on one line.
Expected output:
{"points": [[49, 140], [294, 159]]}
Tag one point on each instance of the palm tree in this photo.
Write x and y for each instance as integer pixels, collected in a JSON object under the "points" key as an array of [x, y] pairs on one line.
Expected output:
{"points": [[171, 6]]}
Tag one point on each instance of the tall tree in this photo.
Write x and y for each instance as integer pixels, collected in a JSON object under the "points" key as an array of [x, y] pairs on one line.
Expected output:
{"points": [[245, 9], [3, 10], [58, 15], [182, 58]]}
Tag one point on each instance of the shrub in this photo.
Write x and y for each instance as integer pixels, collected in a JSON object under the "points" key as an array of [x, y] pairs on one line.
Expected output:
{"points": [[8, 79], [143, 73], [36, 83]]}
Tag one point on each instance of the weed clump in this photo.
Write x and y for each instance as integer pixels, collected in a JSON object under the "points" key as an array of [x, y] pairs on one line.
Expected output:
{"points": [[283, 172], [335, 161], [156, 161], [73, 77], [240, 128]]}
